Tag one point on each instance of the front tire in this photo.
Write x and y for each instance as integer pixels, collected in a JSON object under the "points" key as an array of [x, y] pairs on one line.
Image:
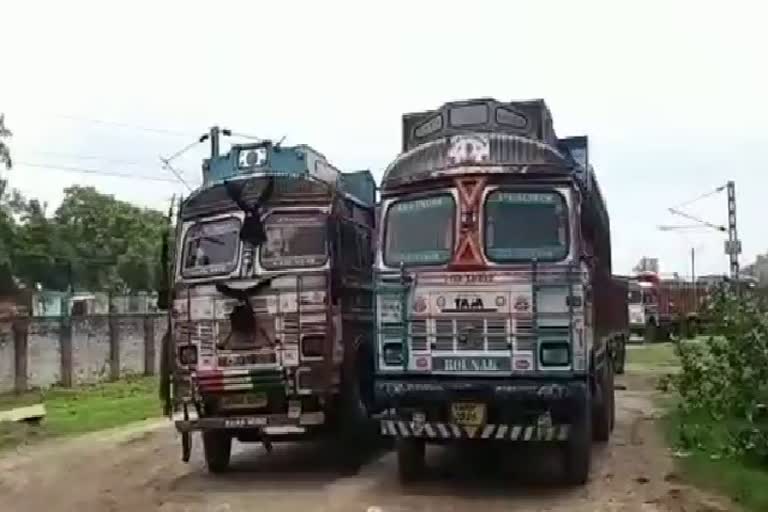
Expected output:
{"points": [[604, 414], [357, 431], [651, 332], [411, 454], [577, 452], [217, 446], [621, 358]]}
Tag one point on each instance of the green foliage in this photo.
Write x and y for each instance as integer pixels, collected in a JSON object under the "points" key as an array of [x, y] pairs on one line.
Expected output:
{"points": [[83, 409], [92, 241], [744, 481], [723, 382]]}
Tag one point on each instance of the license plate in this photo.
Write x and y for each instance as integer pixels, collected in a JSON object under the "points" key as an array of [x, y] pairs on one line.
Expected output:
{"points": [[253, 400], [463, 413]]}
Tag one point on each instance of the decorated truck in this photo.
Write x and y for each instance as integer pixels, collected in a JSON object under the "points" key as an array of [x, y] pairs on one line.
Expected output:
{"points": [[663, 308], [271, 315], [497, 316]]}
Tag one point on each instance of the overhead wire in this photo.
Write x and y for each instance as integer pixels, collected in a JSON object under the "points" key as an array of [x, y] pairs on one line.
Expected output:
{"points": [[702, 196], [76, 156], [163, 131], [98, 172]]}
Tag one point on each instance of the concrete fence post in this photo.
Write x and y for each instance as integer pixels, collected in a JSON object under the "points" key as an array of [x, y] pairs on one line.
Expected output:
{"points": [[114, 346], [149, 345], [21, 346], [65, 345]]}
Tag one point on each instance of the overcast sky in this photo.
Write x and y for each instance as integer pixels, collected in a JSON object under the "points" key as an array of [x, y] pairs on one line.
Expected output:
{"points": [[673, 95]]}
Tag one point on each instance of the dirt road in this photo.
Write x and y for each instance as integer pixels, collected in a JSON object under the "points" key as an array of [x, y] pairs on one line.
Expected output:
{"points": [[138, 469]]}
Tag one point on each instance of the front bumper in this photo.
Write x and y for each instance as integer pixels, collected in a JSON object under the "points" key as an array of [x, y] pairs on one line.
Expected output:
{"points": [[517, 410], [397, 391], [269, 424]]}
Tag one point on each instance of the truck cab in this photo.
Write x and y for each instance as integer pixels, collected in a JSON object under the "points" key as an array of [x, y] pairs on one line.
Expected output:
{"points": [[271, 317], [643, 308], [494, 295]]}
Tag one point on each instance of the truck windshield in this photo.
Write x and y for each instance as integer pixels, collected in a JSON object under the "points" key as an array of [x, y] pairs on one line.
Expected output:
{"points": [[634, 297], [525, 225], [420, 231], [211, 247], [294, 240]]}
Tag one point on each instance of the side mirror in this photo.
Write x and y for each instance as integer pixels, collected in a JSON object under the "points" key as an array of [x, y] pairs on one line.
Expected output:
{"points": [[163, 299]]}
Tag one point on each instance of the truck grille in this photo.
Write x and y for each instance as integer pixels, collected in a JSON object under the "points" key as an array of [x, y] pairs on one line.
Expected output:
{"points": [[470, 334], [418, 334]]}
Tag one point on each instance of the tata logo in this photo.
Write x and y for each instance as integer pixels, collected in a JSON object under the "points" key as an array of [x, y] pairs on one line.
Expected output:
{"points": [[467, 304]]}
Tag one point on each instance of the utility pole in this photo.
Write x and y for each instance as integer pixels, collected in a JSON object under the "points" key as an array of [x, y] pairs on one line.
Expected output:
{"points": [[214, 135], [733, 245], [693, 276]]}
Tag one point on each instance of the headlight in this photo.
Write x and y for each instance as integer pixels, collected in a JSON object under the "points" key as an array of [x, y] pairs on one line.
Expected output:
{"points": [[393, 353], [188, 355], [555, 354]]}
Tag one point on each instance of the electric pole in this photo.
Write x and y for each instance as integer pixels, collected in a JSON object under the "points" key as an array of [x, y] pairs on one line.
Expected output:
{"points": [[693, 275], [214, 136], [733, 245]]}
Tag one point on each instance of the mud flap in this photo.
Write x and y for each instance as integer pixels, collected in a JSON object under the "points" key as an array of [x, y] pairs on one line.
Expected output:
{"points": [[186, 439], [186, 446]]}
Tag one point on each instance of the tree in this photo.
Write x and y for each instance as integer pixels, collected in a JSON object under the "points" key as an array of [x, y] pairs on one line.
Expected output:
{"points": [[115, 244], [92, 241]]}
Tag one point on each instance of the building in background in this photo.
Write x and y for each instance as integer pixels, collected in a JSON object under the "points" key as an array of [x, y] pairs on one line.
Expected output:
{"points": [[758, 270], [647, 265]]}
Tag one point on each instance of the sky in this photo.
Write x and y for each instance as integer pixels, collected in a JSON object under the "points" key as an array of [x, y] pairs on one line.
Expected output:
{"points": [[671, 94]]}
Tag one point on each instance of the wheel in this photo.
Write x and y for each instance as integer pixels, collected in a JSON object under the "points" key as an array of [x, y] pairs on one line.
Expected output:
{"points": [[410, 459], [621, 356], [577, 450], [357, 431], [612, 397], [164, 389], [693, 328], [650, 332], [218, 448], [602, 414], [663, 333]]}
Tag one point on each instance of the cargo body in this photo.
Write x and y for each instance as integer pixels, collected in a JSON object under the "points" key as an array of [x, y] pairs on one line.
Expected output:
{"points": [[270, 330], [661, 308], [497, 316]]}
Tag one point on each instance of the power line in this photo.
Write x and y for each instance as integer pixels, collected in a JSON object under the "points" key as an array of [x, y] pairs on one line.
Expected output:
{"points": [[162, 131], [76, 156], [99, 172], [702, 196], [167, 165], [696, 219]]}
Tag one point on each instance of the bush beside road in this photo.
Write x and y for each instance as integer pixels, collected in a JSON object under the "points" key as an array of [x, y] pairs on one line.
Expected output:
{"points": [[716, 391]]}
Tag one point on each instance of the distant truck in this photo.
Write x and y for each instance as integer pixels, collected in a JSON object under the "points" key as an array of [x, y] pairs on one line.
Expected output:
{"points": [[271, 314], [497, 316], [660, 309]]}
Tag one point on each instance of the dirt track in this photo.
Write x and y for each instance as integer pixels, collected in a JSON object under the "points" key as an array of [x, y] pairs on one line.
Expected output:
{"points": [[138, 469]]}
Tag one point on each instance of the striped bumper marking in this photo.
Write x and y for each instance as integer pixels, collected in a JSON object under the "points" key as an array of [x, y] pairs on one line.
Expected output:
{"points": [[400, 428]]}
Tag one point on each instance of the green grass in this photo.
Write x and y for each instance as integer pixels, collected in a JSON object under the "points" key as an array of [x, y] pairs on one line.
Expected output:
{"points": [[743, 481], [655, 355], [82, 409]]}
